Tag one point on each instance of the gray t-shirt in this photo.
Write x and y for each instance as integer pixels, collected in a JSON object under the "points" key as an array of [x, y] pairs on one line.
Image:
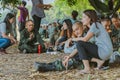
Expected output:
{"points": [[102, 40], [36, 10], [2, 29]]}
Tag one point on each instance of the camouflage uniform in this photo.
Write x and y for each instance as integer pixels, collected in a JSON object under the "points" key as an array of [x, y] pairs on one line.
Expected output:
{"points": [[29, 44], [58, 66], [116, 35]]}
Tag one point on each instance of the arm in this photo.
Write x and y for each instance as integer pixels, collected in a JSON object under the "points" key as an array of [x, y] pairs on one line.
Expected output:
{"points": [[20, 8], [45, 6], [73, 54], [3, 31], [66, 58], [9, 37], [86, 38]]}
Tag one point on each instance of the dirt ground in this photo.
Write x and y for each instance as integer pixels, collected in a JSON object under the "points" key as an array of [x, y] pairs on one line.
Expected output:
{"points": [[18, 66]]}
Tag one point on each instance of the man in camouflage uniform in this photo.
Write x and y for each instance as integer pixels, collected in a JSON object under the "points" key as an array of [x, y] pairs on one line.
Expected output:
{"points": [[58, 65], [116, 31], [28, 40]]}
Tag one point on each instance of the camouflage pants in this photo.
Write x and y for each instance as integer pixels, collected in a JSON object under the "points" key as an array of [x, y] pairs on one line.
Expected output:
{"points": [[57, 65], [28, 48]]}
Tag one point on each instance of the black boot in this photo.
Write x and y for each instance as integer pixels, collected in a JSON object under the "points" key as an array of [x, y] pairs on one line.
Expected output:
{"points": [[43, 67]]}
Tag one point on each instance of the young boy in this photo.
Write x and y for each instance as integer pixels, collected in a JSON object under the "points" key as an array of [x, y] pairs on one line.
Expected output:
{"points": [[28, 39]]}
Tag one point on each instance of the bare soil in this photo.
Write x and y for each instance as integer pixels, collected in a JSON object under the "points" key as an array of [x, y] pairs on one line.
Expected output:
{"points": [[19, 66]]}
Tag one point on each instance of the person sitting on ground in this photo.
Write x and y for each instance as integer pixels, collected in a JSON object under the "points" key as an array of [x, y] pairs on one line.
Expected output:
{"points": [[79, 31], [98, 52], [65, 34], [116, 31], [70, 45], [53, 33], [58, 65], [105, 21], [6, 36], [29, 41]]}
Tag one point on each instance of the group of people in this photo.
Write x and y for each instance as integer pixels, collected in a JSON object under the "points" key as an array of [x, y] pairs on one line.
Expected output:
{"points": [[88, 40], [92, 40]]}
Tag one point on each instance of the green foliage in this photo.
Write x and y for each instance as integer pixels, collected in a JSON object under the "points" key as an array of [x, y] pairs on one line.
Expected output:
{"points": [[62, 9], [10, 2], [107, 7], [71, 2]]}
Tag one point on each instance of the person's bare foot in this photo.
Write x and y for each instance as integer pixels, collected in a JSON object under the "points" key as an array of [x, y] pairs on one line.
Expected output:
{"points": [[99, 64]]}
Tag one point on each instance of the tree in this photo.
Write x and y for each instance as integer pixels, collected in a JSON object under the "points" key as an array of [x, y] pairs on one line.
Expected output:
{"points": [[108, 7], [62, 9], [10, 2], [104, 7]]}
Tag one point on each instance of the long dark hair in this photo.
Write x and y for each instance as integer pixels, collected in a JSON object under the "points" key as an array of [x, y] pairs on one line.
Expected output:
{"points": [[7, 18], [92, 15], [69, 26]]}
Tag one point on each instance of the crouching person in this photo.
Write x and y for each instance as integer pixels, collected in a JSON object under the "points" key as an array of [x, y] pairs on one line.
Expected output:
{"points": [[6, 36], [28, 40]]}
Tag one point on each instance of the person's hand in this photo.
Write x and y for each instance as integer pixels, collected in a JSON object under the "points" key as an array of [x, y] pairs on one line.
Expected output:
{"points": [[13, 41], [31, 36], [62, 43], [47, 7], [46, 45], [65, 61]]}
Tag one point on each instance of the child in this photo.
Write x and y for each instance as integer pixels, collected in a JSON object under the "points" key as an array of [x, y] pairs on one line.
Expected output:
{"points": [[70, 46]]}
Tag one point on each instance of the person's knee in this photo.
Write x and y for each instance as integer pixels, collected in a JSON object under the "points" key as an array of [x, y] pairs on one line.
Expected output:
{"points": [[7, 41], [79, 43]]}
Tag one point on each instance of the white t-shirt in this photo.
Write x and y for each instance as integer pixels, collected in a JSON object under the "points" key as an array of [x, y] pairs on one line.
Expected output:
{"points": [[2, 29], [102, 40]]}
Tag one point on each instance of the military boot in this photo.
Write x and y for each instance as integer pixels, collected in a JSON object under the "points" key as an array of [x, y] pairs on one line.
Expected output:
{"points": [[43, 67]]}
